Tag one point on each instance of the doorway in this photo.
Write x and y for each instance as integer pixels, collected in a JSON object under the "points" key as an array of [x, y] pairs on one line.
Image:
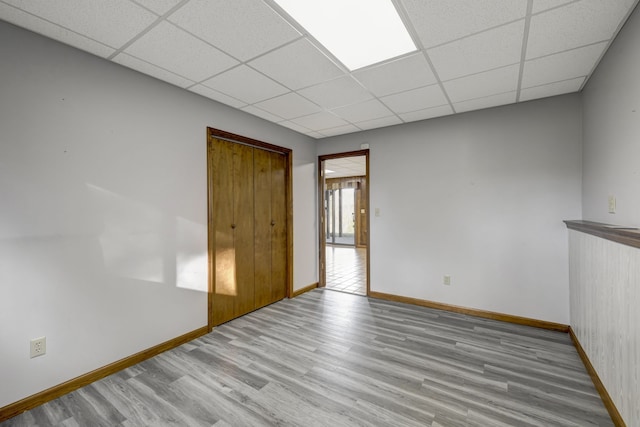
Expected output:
{"points": [[343, 188]]}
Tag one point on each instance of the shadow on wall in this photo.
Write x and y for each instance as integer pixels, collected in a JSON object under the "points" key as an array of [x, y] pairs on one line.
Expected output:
{"points": [[137, 242]]}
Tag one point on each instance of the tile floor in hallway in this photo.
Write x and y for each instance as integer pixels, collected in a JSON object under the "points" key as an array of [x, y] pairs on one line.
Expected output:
{"points": [[347, 269]]}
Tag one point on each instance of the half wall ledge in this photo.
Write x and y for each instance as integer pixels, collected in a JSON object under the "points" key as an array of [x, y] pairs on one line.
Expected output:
{"points": [[629, 236]]}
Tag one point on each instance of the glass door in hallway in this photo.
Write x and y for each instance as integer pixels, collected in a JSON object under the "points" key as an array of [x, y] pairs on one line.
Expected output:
{"points": [[340, 214]]}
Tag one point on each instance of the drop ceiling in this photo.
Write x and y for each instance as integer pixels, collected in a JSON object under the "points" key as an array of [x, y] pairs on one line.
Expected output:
{"points": [[345, 166], [250, 55]]}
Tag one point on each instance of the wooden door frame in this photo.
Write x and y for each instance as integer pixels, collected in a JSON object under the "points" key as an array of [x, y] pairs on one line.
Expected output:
{"points": [[288, 153], [322, 282]]}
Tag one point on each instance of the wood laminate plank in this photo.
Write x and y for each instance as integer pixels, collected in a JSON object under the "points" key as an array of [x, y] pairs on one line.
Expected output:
{"points": [[334, 359]]}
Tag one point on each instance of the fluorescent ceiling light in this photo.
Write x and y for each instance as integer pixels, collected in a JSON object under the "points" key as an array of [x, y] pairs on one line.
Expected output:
{"points": [[357, 32], [329, 171]]}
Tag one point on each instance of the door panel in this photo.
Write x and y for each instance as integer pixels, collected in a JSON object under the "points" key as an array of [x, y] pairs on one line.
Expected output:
{"points": [[224, 256], [262, 221], [278, 228], [243, 209]]}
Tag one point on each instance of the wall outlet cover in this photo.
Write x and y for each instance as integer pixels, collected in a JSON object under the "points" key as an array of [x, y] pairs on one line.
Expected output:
{"points": [[38, 347]]}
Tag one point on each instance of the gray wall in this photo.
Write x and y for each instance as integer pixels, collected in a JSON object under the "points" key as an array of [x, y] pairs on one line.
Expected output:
{"points": [[479, 196], [612, 132], [103, 209], [605, 287]]}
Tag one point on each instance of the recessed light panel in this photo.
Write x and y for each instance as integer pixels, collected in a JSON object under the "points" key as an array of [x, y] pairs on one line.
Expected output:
{"points": [[357, 32]]}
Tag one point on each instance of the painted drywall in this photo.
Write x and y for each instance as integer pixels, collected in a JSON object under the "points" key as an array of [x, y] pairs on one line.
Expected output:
{"points": [[103, 209], [605, 275], [604, 315], [611, 103], [479, 196]]}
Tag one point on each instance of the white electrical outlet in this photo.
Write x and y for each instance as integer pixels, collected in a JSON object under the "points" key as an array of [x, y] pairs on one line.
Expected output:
{"points": [[447, 280], [38, 346]]}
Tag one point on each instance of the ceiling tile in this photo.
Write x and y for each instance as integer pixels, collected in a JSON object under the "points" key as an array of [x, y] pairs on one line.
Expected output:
{"points": [[319, 121], [427, 113], [294, 126], [378, 123], [542, 5], [113, 22], [241, 28], [335, 93], [574, 25], [314, 134], [486, 102], [262, 114], [491, 49], [297, 65], [158, 6], [40, 26], [558, 88], [173, 49], [561, 66], [346, 166], [288, 106], [417, 99], [340, 130], [396, 76], [483, 84], [349, 164], [245, 84], [151, 70], [217, 96], [438, 22], [368, 110]]}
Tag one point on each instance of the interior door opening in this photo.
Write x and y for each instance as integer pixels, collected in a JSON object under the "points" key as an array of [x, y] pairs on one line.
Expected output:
{"points": [[344, 209]]}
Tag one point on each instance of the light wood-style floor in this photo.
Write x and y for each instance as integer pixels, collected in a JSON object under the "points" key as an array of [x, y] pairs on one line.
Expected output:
{"points": [[335, 359]]}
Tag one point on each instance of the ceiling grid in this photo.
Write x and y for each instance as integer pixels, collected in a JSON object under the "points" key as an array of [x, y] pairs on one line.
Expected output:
{"points": [[251, 55]]}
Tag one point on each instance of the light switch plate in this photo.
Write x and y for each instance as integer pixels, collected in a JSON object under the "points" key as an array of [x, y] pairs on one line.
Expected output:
{"points": [[612, 204]]}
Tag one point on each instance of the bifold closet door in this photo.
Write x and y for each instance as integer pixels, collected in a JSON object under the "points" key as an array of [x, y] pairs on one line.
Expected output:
{"points": [[270, 227], [233, 211], [249, 217]]}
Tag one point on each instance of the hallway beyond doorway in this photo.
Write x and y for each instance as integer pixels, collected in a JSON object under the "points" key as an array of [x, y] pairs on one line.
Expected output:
{"points": [[346, 269]]}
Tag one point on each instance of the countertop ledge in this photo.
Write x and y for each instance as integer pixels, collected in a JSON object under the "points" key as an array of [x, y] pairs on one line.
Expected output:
{"points": [[629, 236]]}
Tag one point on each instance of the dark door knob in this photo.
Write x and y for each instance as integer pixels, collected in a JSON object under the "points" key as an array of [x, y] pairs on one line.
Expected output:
{"points": [[273, 223], [233, 226]]}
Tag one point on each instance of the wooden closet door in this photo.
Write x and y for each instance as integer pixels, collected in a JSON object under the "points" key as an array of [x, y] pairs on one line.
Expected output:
{"points": [[270, 227], [243, 241], [232, 218], [262, 224], [278, 228]]}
